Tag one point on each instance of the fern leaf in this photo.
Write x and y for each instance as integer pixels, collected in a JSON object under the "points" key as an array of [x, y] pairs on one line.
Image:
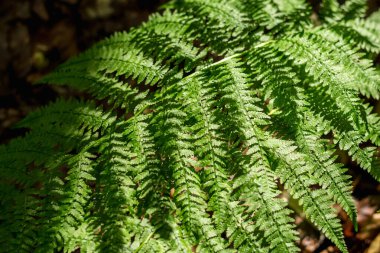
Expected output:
{"points": [[210, 153], [67, 208], [209, 109], [217, 15], [354, 9], [189, 196], [248, 117], [297, 125], [316, 204]]}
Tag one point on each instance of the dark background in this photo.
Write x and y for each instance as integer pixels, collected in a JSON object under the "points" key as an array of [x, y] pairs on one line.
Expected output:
{"points": [[37, 35]]}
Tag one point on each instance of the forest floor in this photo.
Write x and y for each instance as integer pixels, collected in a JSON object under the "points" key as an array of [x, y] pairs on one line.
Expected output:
{"points": [[38, 35]]}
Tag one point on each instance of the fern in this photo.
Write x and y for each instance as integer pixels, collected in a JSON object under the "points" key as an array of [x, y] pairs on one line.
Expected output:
{"points": [[193, 121]]}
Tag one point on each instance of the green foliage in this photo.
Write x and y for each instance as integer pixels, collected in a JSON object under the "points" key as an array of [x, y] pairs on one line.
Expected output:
{"points": [[193, 124]]}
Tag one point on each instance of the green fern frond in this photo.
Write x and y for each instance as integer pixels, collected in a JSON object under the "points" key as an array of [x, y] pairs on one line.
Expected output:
{"points": [[333, 10], [209, 110], [354, 9]]}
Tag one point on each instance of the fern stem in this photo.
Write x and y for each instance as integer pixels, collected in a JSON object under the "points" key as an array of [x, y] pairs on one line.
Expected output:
{"points": [[230, 57], [145, 241]]}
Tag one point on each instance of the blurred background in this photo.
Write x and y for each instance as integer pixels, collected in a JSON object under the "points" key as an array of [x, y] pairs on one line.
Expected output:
{"points": [[38, 35]]}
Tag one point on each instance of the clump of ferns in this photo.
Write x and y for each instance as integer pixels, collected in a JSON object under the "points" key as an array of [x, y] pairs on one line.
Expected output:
{"points": [[194, 119]]}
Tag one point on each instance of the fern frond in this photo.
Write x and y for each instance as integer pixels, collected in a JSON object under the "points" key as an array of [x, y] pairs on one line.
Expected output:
{"points": [[23, 185], [332, 10], [248, 117], [328, 71], [188, 196], [364, 78], [67, 205], [359, 33], [210, 152], [71, 113], [293, 173], [116, 193], [277, 16], [354, 9], [298, 125], [158, 39], [210, 108], [216, 15], [97, 78]]}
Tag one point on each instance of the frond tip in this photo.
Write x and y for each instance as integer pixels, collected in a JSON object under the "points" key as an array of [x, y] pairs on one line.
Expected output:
{"points": [[192, 122]]}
